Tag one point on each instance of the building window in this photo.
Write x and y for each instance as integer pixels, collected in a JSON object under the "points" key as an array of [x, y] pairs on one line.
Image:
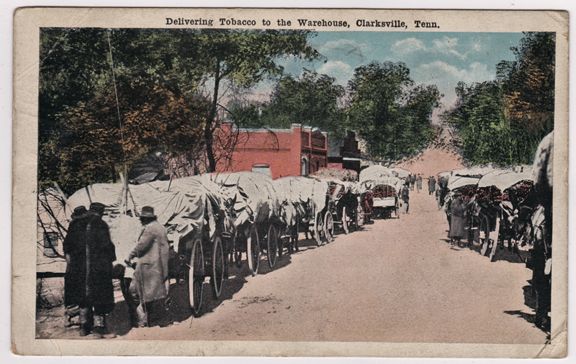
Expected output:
{"points": [[305, 169], [262, 168], [50, 244]]}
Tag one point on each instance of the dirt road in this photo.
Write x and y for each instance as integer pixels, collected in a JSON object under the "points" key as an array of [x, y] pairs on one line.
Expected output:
{"points": [[395, 281]]}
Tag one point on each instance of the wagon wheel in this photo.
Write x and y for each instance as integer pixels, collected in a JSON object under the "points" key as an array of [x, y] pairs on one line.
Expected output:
{"points": [[345, 226], [318, 230], [217, 279], [328, 227], [196, 278], [272, 245], [253, 250]]}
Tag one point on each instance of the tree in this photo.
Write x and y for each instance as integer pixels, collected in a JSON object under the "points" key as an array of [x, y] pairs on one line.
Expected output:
{"points": [[390, 113], [479, 118], [243, 58], [503, 121], [91, 122], [311, 99]]}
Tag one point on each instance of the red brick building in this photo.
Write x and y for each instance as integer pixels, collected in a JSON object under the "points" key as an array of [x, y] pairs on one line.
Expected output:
{"points": [[297, 151]]}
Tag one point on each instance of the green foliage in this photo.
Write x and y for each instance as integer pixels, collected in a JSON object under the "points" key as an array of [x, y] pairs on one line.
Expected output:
{"points": [[311, 99], [503, 121], [244, 58], [160, 76], [389, 112]]}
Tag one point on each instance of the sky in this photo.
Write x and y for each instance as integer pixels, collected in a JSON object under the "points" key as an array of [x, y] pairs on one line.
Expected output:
{"points": [[442, 59]]}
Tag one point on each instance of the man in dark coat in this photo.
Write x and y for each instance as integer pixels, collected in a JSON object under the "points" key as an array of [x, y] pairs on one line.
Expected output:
{"points": [[72, 297], [431, 185], [150, 282], [90, 254], [405, 193]]}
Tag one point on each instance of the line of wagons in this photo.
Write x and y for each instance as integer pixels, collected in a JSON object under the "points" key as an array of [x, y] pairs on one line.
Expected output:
{"points": [[503, 208], [218, 220]]}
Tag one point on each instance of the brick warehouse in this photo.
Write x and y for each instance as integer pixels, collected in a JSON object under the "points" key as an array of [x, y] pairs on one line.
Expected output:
{"points": [[297, 151]]}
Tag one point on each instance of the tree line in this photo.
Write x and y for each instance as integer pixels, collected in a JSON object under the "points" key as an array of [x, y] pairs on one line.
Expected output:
{"points": [[108, 98], [502, 121], [381, 103]]}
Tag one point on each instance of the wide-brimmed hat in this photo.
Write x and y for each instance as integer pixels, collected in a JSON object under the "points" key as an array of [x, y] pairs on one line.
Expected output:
{"points": [[147, 211], [97, 207], [79, 211]]}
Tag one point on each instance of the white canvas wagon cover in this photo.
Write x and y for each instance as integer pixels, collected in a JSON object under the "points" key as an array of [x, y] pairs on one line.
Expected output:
{"points": [[299, 189], [182, 205], [375, 173], [504, 179], [456, 182], [253, 193], [391, 181]]}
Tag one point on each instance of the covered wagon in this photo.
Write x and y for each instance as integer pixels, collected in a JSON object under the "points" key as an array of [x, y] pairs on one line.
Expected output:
{"points": [[191, 211], [304, 208], [344, 204], [502, 196], [256, 212]]}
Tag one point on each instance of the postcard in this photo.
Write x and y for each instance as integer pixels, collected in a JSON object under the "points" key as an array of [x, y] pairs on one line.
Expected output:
{"points": [[290, 182]]}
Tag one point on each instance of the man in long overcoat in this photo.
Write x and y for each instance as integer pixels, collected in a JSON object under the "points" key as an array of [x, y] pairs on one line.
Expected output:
{"points": [[431, 185], [457, 219], [405, 194], [90, 253], [150, 282]]}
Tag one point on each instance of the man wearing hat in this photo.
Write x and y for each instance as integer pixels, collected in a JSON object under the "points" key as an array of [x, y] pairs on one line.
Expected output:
{"points": [[72, 297], [90, 253], [150, 282]]}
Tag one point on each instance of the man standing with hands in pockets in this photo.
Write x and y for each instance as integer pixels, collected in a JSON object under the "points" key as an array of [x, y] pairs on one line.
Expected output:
{"points": [[150, 282]]}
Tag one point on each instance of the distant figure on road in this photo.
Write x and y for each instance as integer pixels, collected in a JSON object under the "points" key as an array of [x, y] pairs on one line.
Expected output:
{"points": [[405, 193], [419, 183], [431, 185], [412, 181]]}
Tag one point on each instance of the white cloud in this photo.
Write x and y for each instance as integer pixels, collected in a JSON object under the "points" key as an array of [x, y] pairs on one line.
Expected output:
{"points": [[408, 45], [446, 76], [439, 70], [341, 71], [346, 47], [446, 45]]}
